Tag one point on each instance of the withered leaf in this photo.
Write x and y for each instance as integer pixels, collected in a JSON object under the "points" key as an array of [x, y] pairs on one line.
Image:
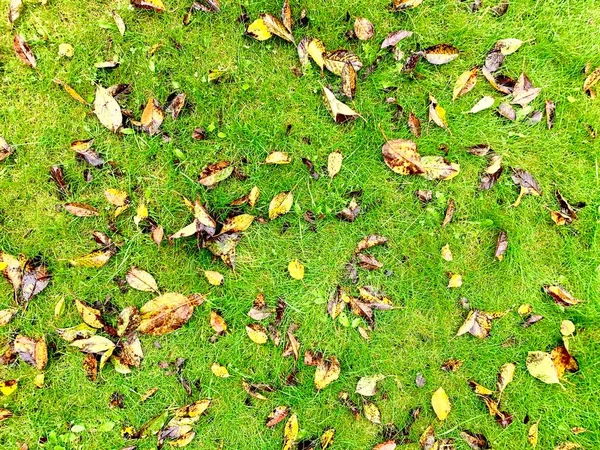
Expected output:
{"points": [[437, 114], [369, 241], [286, 15], [214, 278], [5, 149], [212, 174], [155, 5], [591, 80], [485, 103], [176, 104], [95, 259], [371, 412], [393, 38], [107, 110], [541, 366], [278, 158], [346, 401], [237, 224], [438, 168], [528, 184], [451, 365], [411, 62], [505, 376], [152, 117], [224, 246], [561, 296], [72, 92], [141, 280], [23, 51], [507, 111], [399, 5], [440, 54], [501, 245], [475, 441], [14, 10], [350, 213], [328, 370], [167, 313], [257, 333], [277, 415], [367, 386], [424, 196], [363, 29], [348, 80], [414, 124], [258, 30], [478, 323], [280, 204], [402, 156], [494, 60], [35, 279], [84, 151], [334, 163], [81, 209], [276, 27], [339, 111], [465, 83], [563, 361], [335, 60], [6, 315], [31, 351], [524, 92], [368, 262]]}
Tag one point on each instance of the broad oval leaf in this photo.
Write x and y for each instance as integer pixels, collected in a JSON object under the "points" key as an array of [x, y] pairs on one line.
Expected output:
{"points": [[167, 313], [280, 204], [441, 404], [440, 54], [402, 157], [107, 110], [141, 280]]}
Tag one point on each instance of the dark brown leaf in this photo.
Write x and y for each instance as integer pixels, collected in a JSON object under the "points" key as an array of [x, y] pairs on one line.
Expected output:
{"points": [[414, 124], [84, 151], [450, 208], [370, 241], [23, 51], [424, 196], [501, 245], [351, 212], [176, 104], [368, 262], [501, 8], [35, 279], [58, 176], [550, 114]]}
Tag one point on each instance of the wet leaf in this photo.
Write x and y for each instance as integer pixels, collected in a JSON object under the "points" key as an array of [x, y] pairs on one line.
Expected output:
{"points": [[257, 333], [213, 174], [167, 313], [81, 209], [348, 81], [280, 204], [465, 83], [441, 404], [440, 54], [31, 351], [107, 110], [501, 245], [363, 29], [339, 111], [23, 51], [437, 114], [393, 38], [141, 280], [296, 269], [485, 103], [367, 386], [371, 412], [414, 125], [334, 163], [155, 5], [561, 296], [277, 415], [541, 366], [402, 156]]}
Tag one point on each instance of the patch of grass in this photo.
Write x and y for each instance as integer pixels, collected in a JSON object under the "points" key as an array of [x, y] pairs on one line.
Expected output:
{"points": [[253, 111]]}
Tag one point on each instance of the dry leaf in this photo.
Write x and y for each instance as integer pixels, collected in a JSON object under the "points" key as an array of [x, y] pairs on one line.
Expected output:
{"points": [[213, 174], [214, 278], [277, 415], [400, 5], [438, 168], [506, 375], [501, 245], [561, 296], [286, 15], [335, 60], [290, 432], [278, 158], [591, 80], [167, 313], [14, 10], [446, 252], [107, 110], [348, 81], [414, 125], [532, 434], [95, 259], [367, 386], [524, 92], [81, 209], [475, 441], [328, 370], [402, 156], [334, 163], [455, 281], [32, 351], [276, 27], [441, 404], [363, 29], [541, 366], [437, 114], [155, 5], [485, 103], [219, 370], [339, 111], [393, 38], [24, 51], [257, 333], [371, 412], [440, 54], [370, 241], [152, 117], [141, 280], [280, 204], [465, 82]]}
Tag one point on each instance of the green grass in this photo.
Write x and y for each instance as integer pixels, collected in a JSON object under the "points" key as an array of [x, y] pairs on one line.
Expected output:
{"points": [[253, 110]]}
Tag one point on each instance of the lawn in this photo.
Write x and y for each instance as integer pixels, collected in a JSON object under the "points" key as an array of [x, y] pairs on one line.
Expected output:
{"points": [[261, 105]]}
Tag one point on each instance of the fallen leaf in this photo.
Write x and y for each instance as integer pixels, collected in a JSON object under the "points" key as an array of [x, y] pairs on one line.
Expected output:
{"points": [[141, 280], [296, 269], [563, 361], [351, 212], [446, 253], [277, 415], [152, 117], [280, 204], [84, 151], [528, 184], [505, 376], [393, 38], [167, 313], [567, 328], [81, 209], [31, 351], [524, 92], [414, 125], [485, 103], [441, 404], [348, 80], [438, 168], [339, 111], [327, 438], [257, 333], [507, 111], [290, 432], [478, 324], [541, 366], [440, 54], [23, 51], [334, 163], [335, 61], [550, 114], [532, 434], [591, 80], [328, 370], [400, 5], [508, 46], [95, 259], [14, 10], [119, 22], [561, 296], [155, 5], [402, 156], [276, 27], [367, 386], [455, 281], [8, 387], [475, 441], [237, 224], [5, 149], [452, 365], [107, 110], [219, 370], [501, 245], [370, 241], [465, 83], [371, 412], [363, 29], [213, 174], [214, 278], [278, 158], [437, 114]]}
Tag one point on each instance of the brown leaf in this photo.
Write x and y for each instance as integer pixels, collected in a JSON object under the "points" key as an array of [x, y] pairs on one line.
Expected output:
{"points": [[155, 5], [368, 262], [346, 401], [81, 209], [550, 113], [465, 83], [286, 15], [348, 81], [351, 212], [527, 183], [369, 241], [167, 313], [501, 245], [400, 5], [424, 196], [32, 351], [328, 370], [452, 365], [335, 61], [176, 104], [24, 51], [363, 29], [84, 151], [277, 415], [141, 280], [152, 117], [477, 323], [276, 27], [524, 92], [128, 321], [411, 62], [35, 279], [501, 8], [5, 149], [12, 271], [414, 124], [475, 441], [393, 38], [339, 111], [591, 80], [440, 54], [450, 208], [14, 10], [561, 296], [507, 111]]}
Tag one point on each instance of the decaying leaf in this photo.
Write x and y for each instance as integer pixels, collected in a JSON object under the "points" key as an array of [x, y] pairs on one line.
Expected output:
{"points": [[31, 351], [528, 184], [478, 323], [501, 245], [524, 92], [371, 412], [475, 441], [438, 168], [348, 80], [290, 432], [280, 204], [437, 114], [213, 174], [441, 404], [152, 117], [592, 79], [485, 103], [370, 241], [155, 5], [532, 434], [563, 361], [141, 280], [440, 54], [257, 333], [14, 10], [399, 5], [274, 26], [452, 365], [505, 376], [402, 156], [541, 366], [277, 415], [363, 29], [367, 386], [414, 125], [335, 61], [167, 313], [561, 296], [23, 51], [393, 38], [339, 111], [328, 369], [465, 83]]}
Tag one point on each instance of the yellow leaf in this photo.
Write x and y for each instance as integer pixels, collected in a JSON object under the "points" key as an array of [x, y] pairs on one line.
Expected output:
{"points": [[107, 110], [372, 413], [253, 196], [441, 404], [327, 438], [339, 111], [328, 370], [506, 375], [447, 253], [278, 158], [280, 204], [334, 163], [258, 30], [6, 315], [141, 213], [567, 328], [39, 380], [455, 281], [437, 114], [116, 197], [541, 366], [214, 278], [219, 370], [167, 313], [532, 435], [525, 309], [90, 316], [316, 48], [508, 46], [257, 333], [402, 156], [8, 387], [141, 280], [296, 269], [156, 5], [290, 432], [237, 224], [465, 82]]}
